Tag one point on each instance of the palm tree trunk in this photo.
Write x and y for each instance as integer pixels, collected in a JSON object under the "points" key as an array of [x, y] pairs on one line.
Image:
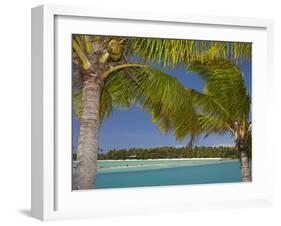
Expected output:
{"points": [[245, 166], [85, 177]]}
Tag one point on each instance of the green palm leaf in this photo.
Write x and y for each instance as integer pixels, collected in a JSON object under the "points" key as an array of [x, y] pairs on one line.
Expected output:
{"points": [[169, 53], [226, 87], [159, 94], [223, 103], [166, 99]]}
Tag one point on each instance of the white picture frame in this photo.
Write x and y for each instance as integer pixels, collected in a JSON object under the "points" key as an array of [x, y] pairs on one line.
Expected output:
{"points": [[52, 197]]}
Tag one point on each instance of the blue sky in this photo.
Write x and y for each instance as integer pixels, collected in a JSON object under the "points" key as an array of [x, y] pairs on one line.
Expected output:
{"points": [[133, 128]]}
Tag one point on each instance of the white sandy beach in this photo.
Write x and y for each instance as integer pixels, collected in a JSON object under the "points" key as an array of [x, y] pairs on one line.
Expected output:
{"points": [[133, 164], [201, 159]]}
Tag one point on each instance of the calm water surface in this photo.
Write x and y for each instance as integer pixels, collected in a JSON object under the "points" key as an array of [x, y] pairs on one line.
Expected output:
{"points": [[141, 173]]}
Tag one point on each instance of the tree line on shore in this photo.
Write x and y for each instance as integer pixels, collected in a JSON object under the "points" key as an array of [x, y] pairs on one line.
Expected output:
{"points": [[169, 152]]}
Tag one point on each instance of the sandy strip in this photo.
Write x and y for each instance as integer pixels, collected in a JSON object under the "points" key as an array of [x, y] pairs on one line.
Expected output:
{"points": [[184, 159], [134, 166]]}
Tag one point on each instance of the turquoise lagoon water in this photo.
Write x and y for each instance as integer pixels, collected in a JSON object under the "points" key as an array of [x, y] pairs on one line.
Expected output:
{"points": [[141, 173]]}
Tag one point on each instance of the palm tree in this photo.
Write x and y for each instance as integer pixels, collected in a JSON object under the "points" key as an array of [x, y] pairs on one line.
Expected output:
{"points": [[106, 78], [223, 106]]}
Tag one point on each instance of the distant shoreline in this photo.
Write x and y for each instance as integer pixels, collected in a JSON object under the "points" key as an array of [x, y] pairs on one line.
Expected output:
{"points": [[109, 160], [167, 153], [144, 163]]}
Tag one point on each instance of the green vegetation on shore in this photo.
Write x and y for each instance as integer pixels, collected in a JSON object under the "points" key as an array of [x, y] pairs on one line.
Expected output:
{"points": [[168, 152]]}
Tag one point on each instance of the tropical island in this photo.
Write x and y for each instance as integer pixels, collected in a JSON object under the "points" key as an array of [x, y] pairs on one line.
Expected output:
{"points": [[168, 152], [167, 165]]}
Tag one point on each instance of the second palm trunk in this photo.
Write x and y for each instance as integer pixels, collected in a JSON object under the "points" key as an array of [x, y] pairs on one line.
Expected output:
{"points": [[245, 166]]}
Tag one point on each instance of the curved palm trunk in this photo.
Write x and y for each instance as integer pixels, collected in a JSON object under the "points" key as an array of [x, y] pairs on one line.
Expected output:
{"points": [[245, 166], [86, 168]]}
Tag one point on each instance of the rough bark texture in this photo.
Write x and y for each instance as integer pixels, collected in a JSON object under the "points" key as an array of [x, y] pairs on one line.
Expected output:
{"points": [[245, 166], [85, 177]]}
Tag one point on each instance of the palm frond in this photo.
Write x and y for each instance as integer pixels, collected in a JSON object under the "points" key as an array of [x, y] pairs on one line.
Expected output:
{"points": [[169, 52], [209, 125], [119, 91], [224, 85], [88, 44], [166, 99], [208, 105], [80, 53], [224, 105], [159, 94]]}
